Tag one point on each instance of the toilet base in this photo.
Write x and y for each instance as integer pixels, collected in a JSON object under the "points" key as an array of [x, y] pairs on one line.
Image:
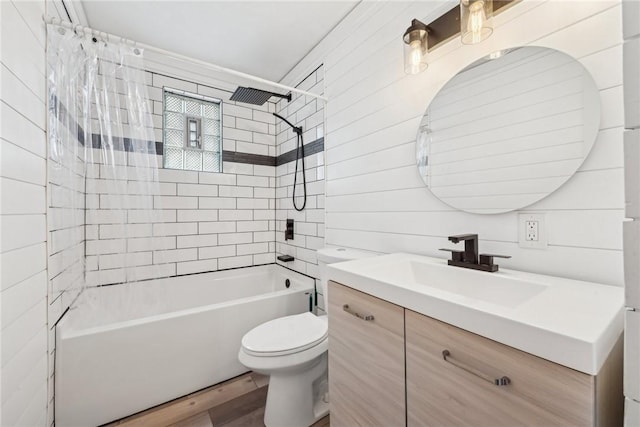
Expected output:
{"points": [[298, 399]]}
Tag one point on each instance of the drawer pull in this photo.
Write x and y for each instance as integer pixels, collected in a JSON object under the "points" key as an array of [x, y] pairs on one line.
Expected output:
{"points": [[366, 317], [446, 355]]}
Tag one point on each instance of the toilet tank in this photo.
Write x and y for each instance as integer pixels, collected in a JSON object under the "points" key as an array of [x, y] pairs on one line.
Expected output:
{"points": [[329, 256]]}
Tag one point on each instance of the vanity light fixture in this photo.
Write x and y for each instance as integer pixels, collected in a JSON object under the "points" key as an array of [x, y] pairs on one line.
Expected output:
{"points": [[476, 20], [415, 48], [471, 19]]}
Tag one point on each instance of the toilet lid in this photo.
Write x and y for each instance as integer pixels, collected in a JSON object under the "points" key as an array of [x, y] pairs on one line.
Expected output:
{"points": [[285, 335]]}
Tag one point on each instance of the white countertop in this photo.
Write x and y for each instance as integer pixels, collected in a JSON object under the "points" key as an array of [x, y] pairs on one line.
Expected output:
{"points": [[570, 322]]}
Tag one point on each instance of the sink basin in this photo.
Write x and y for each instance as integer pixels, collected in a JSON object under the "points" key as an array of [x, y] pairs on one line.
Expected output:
{"points": [[503, 290], [569, 322]]}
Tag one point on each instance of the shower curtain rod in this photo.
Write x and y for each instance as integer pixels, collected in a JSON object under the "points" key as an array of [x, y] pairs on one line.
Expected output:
{"points": [[113, 38]]}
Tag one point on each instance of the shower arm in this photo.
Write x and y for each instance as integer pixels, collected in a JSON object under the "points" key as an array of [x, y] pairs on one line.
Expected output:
{"points": [[296, 129]]}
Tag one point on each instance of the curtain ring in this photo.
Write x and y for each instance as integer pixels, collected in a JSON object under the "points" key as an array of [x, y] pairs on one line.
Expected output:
{"points": [[135, 48]]}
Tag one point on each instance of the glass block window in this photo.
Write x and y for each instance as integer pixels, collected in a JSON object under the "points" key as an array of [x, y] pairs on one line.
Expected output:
{"points": [[192, 132]]}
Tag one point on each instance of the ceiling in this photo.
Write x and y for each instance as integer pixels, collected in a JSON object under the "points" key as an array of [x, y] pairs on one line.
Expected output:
{"points": [[263, 38]]}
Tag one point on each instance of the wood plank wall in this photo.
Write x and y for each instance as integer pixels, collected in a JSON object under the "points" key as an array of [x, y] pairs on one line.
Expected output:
{"points": [[26, 366], [374, 197]]}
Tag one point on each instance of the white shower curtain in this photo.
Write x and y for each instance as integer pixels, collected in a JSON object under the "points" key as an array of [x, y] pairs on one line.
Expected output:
{"points": [[102, 164]]}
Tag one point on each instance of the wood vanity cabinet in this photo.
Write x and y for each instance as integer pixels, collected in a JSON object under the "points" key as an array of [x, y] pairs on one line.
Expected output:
{"points": [[366, 362], [462, 390], [367, 381]]}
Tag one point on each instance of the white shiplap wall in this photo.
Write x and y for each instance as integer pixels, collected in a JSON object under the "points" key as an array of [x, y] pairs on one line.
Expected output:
{"points": [[631, 72], [23, 258], [375, 199]]}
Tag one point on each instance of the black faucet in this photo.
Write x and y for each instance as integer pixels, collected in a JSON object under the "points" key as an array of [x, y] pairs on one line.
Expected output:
{"points": [[470, 254], [469, 258]]}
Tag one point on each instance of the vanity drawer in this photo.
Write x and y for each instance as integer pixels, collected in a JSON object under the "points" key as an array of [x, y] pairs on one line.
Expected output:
{"points": [[459, 391], [366, 360]]}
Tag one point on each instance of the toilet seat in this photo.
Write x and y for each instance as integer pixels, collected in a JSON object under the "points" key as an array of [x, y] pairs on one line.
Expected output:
{"points": [[285, 335]]}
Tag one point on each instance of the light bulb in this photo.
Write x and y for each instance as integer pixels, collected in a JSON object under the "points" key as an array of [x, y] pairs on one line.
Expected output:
{"points": [[416, 56], [476, 20]]}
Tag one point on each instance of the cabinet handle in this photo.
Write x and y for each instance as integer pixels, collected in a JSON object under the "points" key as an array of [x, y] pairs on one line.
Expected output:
{"points": [[366, 317], [446, 355]]}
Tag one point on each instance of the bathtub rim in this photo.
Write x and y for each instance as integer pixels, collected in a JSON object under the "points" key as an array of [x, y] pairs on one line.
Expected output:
{"points": [[63, 333]]}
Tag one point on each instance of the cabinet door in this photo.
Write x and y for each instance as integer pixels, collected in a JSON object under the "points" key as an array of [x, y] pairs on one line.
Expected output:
{"points": [[458, 391], [366, 360]]}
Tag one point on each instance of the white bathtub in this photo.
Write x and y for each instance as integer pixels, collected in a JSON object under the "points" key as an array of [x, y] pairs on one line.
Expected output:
{"points": [[183, 335]]}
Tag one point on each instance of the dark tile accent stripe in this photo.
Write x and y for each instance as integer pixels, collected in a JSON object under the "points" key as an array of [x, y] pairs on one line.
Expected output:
{"points": [[121, 144], [254, 159], [126, 144], [309, 149], [57, 109]]}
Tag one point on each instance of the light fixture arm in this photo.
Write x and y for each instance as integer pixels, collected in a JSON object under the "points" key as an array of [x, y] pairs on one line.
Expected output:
{"points": [[414, 30]]}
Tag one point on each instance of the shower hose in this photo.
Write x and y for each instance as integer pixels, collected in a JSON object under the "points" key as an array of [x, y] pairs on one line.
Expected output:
{"points": [[300, 155]]}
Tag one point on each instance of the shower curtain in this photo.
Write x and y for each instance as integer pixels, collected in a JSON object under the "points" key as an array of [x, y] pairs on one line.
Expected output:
{"points": [[102, 165]]}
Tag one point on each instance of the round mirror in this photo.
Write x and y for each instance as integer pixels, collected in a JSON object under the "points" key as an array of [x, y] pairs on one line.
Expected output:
{"points": [[508, 130]]}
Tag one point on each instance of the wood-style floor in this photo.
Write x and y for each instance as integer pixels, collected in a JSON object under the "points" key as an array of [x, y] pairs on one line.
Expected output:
{"points": [[238, 402]]}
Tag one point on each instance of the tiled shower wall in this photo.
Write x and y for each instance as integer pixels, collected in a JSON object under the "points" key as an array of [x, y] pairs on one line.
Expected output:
{"points": [[66, 225], [307, 112], [202, 221], [66, 245]]}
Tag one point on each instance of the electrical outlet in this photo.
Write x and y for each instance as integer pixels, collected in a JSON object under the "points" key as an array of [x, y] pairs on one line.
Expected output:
{"points": [[532, 230], [531, 233]]}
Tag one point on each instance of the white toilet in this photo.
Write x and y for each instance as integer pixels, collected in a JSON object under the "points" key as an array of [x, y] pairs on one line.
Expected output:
{"points": [[292, 350]]}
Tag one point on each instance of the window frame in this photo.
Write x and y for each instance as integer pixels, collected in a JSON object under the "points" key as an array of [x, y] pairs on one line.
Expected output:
{"points": [[187, 118]]}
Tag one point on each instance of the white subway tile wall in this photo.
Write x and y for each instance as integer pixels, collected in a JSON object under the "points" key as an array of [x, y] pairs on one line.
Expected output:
{"points": [[195, 227], [308, 224], [200, 221], [66, 225]]}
